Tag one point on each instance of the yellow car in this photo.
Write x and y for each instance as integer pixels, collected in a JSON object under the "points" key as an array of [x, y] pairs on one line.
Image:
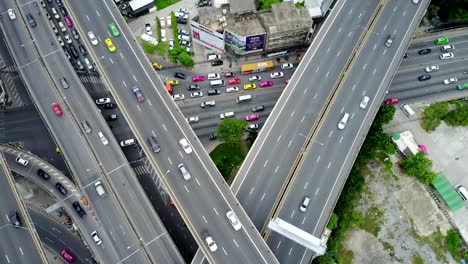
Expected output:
{"points": [[157, 66], [110, 45], [250, 86], [172, 82]]}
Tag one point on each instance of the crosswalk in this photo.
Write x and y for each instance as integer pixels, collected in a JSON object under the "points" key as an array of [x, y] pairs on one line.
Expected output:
{"points": [[140, 170], [90, 78], [9, 69]]}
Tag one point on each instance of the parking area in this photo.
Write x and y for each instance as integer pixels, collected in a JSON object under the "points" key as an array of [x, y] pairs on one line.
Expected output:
{"points": [[447, 149]]}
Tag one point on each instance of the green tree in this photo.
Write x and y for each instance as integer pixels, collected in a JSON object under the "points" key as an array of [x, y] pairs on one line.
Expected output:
{"points": [[384, 115], [148, 47], [458, 116], [174, 26], [252, 136], [162, 48], [333, 222], [416, 165], [231, 130], [427, 177], [453, 243], [186, 60], [433, 115], [158, 23]]}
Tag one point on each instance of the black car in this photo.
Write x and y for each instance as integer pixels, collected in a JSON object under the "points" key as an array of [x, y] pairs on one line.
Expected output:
{"points": [[63, 11], [193, 87], [424, 51], [31, 20], [60, 188], [203, 3], [83, 50], [59, 2], [213, 92], [212, 136], [15, 219], [110, 106], [74, 52], [180, 75], [229, 74], [43, 174], [75, 34], [79, 209], [258, 108], [153, 144], [181, 20], [216, 63], [424, 77]]}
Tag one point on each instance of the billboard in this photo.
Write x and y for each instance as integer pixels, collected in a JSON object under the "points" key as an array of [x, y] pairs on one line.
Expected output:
{"points": [[244, 45], [207, 37]]}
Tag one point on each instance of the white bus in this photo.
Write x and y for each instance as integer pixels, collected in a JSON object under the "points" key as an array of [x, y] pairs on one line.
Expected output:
{"points": [[244, 98]]}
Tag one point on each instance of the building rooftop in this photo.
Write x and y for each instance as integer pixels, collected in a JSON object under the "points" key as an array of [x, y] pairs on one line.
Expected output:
{"points": [[213, 17], [245, 26], [285, 16], [242, 6]]}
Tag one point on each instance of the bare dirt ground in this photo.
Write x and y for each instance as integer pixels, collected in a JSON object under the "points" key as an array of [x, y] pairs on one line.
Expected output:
{"points": [[402, 221]]}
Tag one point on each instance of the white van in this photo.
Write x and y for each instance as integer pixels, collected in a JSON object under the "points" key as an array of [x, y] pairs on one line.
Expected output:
{"points": [[100, 189], [407, 110], [22, 161], [103, 138], [211, 57], [304, 204], [213, 76], [128, 142], [462, 191], [244, 98], [228, 114], [344, 119], [149, 39], [217, 83]]}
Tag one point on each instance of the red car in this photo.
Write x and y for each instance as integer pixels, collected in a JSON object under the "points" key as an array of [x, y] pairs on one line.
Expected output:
{"points": [[266, 84], [138, 94], [57, 109], [252, 117], [200, 78], [67, 256], [391, 101], [234, 81]]}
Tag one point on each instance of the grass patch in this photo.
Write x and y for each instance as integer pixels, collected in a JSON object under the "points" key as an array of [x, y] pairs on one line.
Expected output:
{"points": [[227, 157], [161, 4], [417, 260], [372, 221], [345, 256], [437, 243]]}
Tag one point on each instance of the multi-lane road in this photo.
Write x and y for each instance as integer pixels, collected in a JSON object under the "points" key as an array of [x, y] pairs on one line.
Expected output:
{"points": [[204, 200]]}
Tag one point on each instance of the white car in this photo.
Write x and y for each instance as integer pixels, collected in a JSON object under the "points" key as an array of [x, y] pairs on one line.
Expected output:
{"points": [[22, 161], [11, 14], [210, 242], [183, 10], [92, 38], [207, 103], [364, 102], [196, 94], [276, 75], [184, 172], [192, 119], [148, 28], [67, 38], [234, 221], [178, 97], [169, 21], [181, 15], [232, 89], [253, 126], [185, 145], [446, 56], [432, 68], [171, 44], [451, 80], [103, 138], [102, 101], [60, 41], [162, 22], [62, 26], [287, 66], [96, 238], [255, 78]]}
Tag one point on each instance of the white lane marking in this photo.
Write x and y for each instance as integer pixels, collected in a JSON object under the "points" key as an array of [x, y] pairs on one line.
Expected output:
{"points": [[349, 34], [88, 18], [121, 55], [164, 127], [350, 11], [341, 139], [138, 108], [327, 74], [373, 73], [385, 27], [352, 116], [224, 251], [277, 167], [251, 191], [290, 142], [180, 153], [98, 13], [375, 46], [328, 49], [214, 209], [316, 191], [342, 109], [152, 132], [329, 164], [169, 159], [364, 67], [6, 256], [204, 219], [263, 196], [278, 138], [292, 214], [363, 93], [315, 96], [292, 114], [305, 91], [149, 102], [235, 243], [135, 78], [124, 83], [188, 191], [305, 185], [279, 243], [111, 60], [360, 14], [354, 86], [395, 8], [338, 54], [404, 13], [302, 120], [197, 182], [384, 51], [330, 134], [290, 251], [317, 69], [304, 220], [266, 162], [318, 159], [339, 30], [21, 250]]}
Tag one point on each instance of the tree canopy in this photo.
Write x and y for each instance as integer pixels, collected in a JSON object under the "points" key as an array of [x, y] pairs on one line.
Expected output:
{"points": [[231, 130]]}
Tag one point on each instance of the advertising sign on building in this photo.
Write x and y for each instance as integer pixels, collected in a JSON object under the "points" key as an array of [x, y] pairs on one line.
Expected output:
{"points": [[207, 37], [244, 45]]}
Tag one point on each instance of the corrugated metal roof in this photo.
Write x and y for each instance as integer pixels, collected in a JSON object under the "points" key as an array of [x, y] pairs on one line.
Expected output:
{"points": [[137, 4]]}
